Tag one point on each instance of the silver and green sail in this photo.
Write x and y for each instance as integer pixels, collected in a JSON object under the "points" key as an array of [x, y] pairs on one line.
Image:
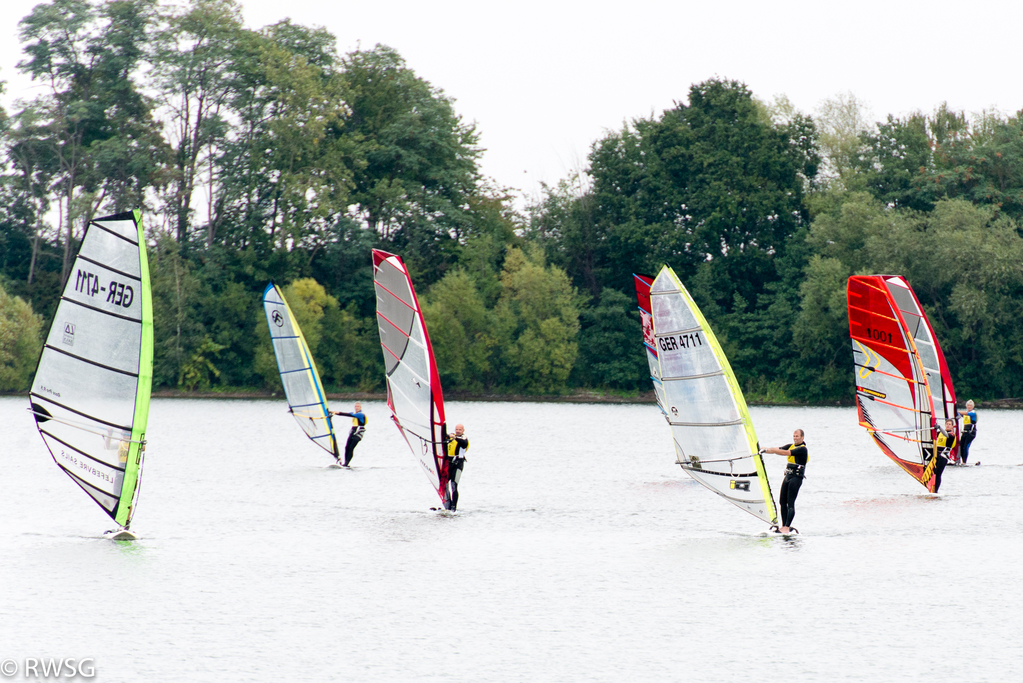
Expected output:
{"points": [[302, 386], [715, 442], [90, 395]]}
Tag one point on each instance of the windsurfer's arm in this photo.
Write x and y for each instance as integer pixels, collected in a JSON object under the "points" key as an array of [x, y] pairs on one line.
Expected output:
{"points": [[777, 451], [343, 413]]}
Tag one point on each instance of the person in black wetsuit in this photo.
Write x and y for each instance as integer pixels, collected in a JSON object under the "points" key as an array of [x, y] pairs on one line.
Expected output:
{"points": [[794, 474], [357, 432], [969, 431], [944, 442], [456, 445]]}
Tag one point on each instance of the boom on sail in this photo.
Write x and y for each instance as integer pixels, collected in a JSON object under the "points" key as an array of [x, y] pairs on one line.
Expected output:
{"points": [[91, 391], [715, 442]]}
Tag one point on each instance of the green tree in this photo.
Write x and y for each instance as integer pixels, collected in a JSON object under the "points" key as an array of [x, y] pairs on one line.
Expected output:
{"points": [[20, 342], [610, 349], [545, 307]]}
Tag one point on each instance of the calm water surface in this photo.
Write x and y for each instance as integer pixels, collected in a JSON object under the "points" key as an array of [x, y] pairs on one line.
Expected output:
{"points": [[581, 553]]}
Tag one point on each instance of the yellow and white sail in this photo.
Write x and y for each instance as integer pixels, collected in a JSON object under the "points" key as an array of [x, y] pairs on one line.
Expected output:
{"points": [[715, 442]]}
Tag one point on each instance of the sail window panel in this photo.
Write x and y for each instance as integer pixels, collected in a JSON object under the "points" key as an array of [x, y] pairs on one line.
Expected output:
{"points": [[98, 287], [653, 364], [671, 313], [417, 361], [394, 341], [388, 277], [707, 400], [663, 283], [290, 353], [102, 247], [125, 228], [105, 395], [904, 299], [93, 472], [106, 501], [97, 337], [411, 397], [686, 355], [302, 391], [928, 357], [82, 434], [752, 499], [714, 447]]}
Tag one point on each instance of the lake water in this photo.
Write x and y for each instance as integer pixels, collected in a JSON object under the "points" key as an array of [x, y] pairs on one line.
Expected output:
{"points": [[580, 553]]}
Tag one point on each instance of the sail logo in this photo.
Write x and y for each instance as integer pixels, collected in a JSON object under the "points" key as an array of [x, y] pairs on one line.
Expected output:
{"points": [[277, 318], [648, 329], [69, 334], [738, 485]]}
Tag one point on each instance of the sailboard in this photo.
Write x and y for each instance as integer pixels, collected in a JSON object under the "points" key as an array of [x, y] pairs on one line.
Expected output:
{"points": [[91, 390], [903, 384], [307, 402], [414, 393], [715, 442]]}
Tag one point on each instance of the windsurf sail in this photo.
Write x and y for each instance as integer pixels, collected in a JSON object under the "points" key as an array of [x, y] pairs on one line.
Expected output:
{"points": [[903, 384], [307, 401], [90, 394], [413, 384], [715, 442]]}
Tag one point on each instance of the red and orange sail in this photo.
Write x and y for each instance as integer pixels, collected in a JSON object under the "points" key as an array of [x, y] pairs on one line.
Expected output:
{"points": [[903, 384]]}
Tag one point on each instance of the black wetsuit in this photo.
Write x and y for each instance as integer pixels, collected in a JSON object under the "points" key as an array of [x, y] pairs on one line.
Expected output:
{"points": [[969, 434], [794, 474], [355, 435], [944, 445], [457, 445]]}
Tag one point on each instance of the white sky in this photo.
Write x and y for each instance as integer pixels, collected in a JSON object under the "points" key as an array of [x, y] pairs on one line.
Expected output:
{"points": [[543, 79]]}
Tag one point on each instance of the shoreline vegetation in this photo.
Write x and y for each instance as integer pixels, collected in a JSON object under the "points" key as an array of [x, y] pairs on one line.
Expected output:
{"points": [[579, 396], [267, 155]]}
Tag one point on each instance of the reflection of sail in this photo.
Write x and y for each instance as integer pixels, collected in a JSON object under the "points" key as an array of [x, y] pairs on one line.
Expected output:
{"points": [[90, 395], [902, 381], [715, 442], [413, 386], [301, 381]]}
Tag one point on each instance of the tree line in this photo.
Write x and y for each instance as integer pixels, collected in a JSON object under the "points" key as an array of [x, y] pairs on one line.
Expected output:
{"points": [[259, 155]]}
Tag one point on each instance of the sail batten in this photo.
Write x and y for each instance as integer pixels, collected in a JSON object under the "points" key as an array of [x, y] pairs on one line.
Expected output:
{"points": [[697, 391], [299, 376], [91, 391]]}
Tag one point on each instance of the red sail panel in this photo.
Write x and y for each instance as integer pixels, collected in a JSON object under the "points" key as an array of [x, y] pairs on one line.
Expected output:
{"points": [[893, 396], [414, 393]]}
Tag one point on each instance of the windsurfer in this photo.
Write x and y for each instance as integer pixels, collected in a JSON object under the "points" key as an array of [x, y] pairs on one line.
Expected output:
{"points": [[795, 472], [943, 445], [969, 431], [357, 432], [457, 445]]}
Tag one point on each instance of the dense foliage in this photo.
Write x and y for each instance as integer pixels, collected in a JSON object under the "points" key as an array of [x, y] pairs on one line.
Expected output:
{"points": [[264, 155]]}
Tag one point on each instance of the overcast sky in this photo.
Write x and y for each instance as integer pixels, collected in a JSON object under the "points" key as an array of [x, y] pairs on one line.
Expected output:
{"points": [[543, 79]]}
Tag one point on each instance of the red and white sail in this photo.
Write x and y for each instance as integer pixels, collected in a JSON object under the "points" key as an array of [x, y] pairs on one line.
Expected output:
{"points": [[413, 385]]}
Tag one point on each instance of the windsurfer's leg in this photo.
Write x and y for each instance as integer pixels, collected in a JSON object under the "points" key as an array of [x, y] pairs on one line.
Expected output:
{"points": [[790, 489], [783, 499], [938, 468], [964, 446], [353, 441]]}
